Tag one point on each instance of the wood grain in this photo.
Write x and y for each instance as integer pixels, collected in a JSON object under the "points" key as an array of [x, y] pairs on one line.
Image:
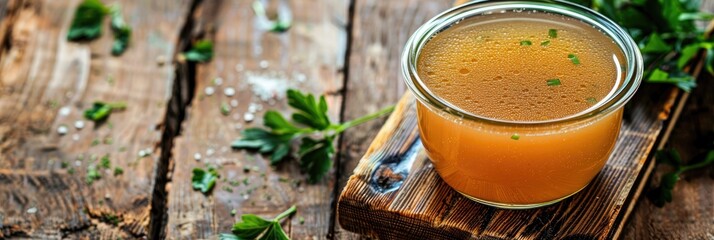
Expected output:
{"points": [[395, 184], [40, 74], [248, 58]]}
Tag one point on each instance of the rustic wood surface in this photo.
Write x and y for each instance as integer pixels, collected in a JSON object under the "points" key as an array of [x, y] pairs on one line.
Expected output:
{"points": [[41, 76], [347, 49], [248, 59]]}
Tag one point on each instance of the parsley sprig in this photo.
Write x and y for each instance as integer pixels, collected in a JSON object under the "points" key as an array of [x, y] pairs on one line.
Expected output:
{"points": [[310, 126], [254, 227], [667, 34], [201, 51], [662, 194]]}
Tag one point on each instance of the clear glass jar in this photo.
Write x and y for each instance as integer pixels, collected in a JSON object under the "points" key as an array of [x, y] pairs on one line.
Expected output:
{"points": [[551, 159]]}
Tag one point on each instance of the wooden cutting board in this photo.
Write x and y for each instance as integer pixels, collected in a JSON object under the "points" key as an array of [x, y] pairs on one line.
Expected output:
{"points": [[395, 193]]}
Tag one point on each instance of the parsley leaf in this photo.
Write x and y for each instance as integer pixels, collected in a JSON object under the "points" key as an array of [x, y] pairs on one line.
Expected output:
{"points": [[552, 33], [316, 157], [122, 32], [655, 44], [662, 194], [310, 112], [278, 145], [526, 43], [87, 21], [254, 227], [100, 111], [204, 180], [201, 51], [553, 82]]}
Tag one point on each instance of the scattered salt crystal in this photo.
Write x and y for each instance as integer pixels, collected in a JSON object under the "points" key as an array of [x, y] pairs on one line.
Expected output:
{"points": [[75, 137], [218, 81], [252, 108], [197, 156], [106, 195], [210, 152], [64, 111], [79, 124], [142, 153], [62, 129], [229, 91], [160, 60], [32, 210], [264, 64], [248, 117], [234, 103], [77, 163], [209, 91], [300, 77], [268, 86]]}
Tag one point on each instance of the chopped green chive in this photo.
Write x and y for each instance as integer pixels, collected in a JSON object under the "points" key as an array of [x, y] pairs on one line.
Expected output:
{"points": [[573, 58], [515, 136], [553, 82], [118, 171], [526, 43], [591, 100], [545, 43], [225, 109], [552, 33]]}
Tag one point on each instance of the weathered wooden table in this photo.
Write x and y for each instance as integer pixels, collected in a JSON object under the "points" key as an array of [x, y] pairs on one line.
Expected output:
{"points": [[348, 50]]}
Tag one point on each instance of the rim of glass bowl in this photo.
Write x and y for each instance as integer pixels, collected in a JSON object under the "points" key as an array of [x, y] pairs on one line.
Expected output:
{"points": [[621, 95]]}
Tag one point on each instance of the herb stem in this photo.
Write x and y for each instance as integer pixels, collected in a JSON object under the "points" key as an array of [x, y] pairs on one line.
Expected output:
{"points": [[708, 160], [117, 105], [363, 119], [288, 212]]}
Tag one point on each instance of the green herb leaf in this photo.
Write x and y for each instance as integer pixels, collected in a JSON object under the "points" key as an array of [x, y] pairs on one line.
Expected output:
{"points": [[265, 142], [687, 54], [684, 81], [655, 44], [591, 100], [100, 110], [545, 43], [87, 21], [122, 32], [699, 16], [204, 180], [574, 58], [118, 171], [254, 227], [515, 136], [553, 82], [104, 162], [552, 33], [228, 236], [316, 157], [526, 43], [662, 194], [310, 112], [92, 175], [201, 51], [278, 124]]}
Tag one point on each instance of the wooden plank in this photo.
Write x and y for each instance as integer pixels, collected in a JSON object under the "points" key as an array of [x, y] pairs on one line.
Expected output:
{"points": [[690, 215], [257, 64], [47, 82], [395, 184]]}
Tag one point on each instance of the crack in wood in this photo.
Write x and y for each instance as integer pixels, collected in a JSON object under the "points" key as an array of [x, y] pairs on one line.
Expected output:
{"points": [[342, 91], [182, 95]]}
